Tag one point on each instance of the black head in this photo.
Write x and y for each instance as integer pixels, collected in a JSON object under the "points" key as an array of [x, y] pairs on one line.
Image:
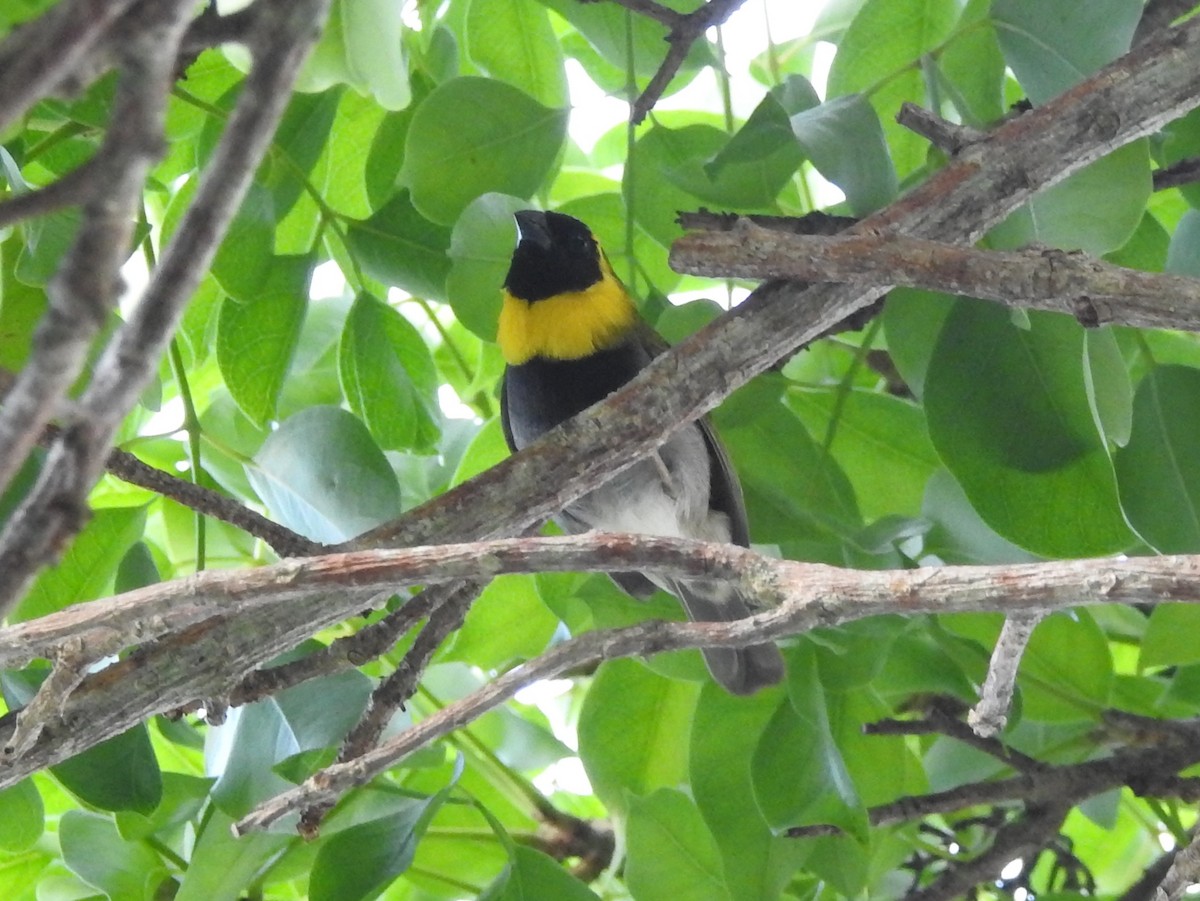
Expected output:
{"points": [[555, 253]]}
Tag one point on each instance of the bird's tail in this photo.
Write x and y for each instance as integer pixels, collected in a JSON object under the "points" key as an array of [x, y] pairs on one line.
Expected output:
{"points": [[742, 671]]}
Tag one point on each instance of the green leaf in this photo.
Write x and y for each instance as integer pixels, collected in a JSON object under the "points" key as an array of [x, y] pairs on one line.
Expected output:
{"points": [[472, 136], [246, 748], [1158, 471], [532, 876], [631, 731], [21, 816], [95, 851], [1052, 45], [358, 862], [257, 338], [507, 623], [1183, 253], [371, 30], [299, 142], [1170, 638], [880, 442], [844, 140], [245, 257], [725, 733], [973, 67], [796, 494], [388, 376], [120, 773], [800, 778], [322, 474], [21, 308], [221, 867], [913, 321], [87, 568], [1008, 413], [1096, 210], [513, 41], [1110, 394], [880, 56], [1067, 670], [959, 534], [766, 137], [481, 248], [626, 40], [398, 246], [47, 239], [671, 853]]}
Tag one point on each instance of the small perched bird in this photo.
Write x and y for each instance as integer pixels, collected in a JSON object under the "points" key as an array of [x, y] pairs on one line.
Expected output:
{"points": [[571, 335]]}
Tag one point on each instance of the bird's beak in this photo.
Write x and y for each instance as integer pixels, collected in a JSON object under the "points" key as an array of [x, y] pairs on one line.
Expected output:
{"points": [[532, 229]]}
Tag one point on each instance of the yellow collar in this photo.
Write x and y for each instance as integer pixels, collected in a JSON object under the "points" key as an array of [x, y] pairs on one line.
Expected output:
{"points": [[566, 326]]}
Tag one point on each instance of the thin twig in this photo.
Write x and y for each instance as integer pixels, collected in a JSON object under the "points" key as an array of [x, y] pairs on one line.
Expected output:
{"points": [[941, 133], [990, 715], [391, 694], [1184, 172], [683, 32]]}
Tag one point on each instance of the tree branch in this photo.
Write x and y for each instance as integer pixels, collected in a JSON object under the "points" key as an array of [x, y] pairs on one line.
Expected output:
{"points": [[1094, 291]]}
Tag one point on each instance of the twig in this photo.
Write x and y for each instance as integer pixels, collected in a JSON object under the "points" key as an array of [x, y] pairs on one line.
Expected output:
{"points": [[1147, 769], [941, 133], [1147, 886], [352, 650], [683, 31], [282, 540], [990, 715], [393, 692], [939, 723], [73, 188], [1184, 172], [1094, 291], [798, 595], [52, 511], [70, 668]]}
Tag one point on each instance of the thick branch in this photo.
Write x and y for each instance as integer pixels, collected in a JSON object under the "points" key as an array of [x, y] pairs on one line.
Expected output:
{"points": [[1093, 290]]}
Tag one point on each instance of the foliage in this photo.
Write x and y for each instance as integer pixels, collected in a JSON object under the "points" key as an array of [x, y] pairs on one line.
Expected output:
{"points": [[946, 431]]}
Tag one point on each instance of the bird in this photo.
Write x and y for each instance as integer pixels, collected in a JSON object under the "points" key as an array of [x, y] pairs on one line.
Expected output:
{"points": [[571, 334]]}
